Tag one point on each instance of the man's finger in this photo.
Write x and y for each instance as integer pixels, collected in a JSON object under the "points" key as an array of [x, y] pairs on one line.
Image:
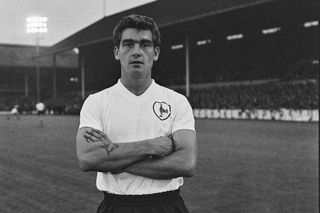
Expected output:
{"points": [[90, 137], [99, 134], [106, 137], [94, 134], [96, 131], [89, 140], [102, 134]]}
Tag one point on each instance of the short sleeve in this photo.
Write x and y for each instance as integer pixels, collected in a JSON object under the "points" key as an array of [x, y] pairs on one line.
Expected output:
{"points": [[90, 114], [184, 118]]}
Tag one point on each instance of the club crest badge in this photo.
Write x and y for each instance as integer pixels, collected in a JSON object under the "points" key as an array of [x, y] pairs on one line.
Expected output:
{"points": [[162, 110]]}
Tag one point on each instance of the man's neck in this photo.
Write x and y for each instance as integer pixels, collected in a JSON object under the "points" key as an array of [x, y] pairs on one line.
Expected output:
{"points": [[136, 86]]}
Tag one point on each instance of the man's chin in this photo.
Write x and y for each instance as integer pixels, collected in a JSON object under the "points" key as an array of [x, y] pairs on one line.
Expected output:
{"points": [[137, 68]]}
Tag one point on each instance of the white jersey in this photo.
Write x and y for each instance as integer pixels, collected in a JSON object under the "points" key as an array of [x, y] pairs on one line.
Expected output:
{"points": [[125, 117], [14, 111]]}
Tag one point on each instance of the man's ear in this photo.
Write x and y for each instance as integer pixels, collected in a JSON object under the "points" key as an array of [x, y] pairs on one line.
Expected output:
{"points": [[116, 52], [156, 53]]}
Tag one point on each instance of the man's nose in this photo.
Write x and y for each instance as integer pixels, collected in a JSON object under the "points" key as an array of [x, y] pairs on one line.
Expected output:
{"points": [[136, 50]]}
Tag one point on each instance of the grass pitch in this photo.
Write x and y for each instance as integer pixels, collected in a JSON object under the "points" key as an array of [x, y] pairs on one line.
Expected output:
{"points": [[243, 167]]}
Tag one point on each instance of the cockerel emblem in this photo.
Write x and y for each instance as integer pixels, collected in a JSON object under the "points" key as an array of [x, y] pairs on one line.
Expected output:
{"points": [[162, 110]]}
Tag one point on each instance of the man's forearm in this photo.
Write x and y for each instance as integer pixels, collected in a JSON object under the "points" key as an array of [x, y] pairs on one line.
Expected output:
{"points": [[177, 164], [96, 152], [120, 155]]}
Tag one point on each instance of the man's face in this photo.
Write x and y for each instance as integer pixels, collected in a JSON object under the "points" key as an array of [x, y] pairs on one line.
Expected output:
{"points": [[136, 51]]}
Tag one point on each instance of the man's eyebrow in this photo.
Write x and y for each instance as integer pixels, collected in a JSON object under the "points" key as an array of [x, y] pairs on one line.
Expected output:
{"points": [[127, 40], [136, 41]]}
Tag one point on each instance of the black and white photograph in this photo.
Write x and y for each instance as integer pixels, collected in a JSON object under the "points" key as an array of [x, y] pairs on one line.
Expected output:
{"points": [[159, 106]]}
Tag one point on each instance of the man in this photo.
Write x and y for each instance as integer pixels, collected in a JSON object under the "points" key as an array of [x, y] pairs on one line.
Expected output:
{"points": [[14, 112], [40, 107], [139, 136]]}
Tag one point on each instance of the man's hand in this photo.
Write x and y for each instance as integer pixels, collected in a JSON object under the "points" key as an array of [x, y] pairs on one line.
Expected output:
{"points": [[96, 136], [180, 163], [163, 146]]}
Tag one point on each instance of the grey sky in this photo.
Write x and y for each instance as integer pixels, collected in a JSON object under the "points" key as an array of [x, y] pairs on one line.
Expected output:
{"points": [[65, 17]]}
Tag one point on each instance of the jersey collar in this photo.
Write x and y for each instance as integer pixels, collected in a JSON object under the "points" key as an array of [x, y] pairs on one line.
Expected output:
{"points": [[125, 92]]}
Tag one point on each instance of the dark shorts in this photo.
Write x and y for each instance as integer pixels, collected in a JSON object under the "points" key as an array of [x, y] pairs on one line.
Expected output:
{"points": [[41, 112], [166, 202]]}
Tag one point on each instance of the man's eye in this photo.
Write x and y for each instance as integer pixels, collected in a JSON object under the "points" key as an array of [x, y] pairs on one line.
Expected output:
{"points": [[127, 44], [146, 44]]}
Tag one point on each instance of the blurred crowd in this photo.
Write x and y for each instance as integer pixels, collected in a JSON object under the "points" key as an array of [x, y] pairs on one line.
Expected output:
{"points": [[267, 95], [67, 104], [273, 95]]}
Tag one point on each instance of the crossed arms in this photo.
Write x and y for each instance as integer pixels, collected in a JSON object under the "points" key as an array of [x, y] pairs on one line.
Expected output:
{"points": [[157, 158]]}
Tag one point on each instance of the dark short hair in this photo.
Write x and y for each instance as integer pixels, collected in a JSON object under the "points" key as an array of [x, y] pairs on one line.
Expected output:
{"points": [[139, 22]]}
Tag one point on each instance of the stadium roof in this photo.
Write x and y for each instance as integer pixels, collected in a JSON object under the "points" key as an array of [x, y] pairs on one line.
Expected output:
{"points": [[23, 56], [180, 16]]}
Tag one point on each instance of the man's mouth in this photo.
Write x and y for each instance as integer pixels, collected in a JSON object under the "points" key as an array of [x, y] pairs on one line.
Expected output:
{"points": [[136, 62]]}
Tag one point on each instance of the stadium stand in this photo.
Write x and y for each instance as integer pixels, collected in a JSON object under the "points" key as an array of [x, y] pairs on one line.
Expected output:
{"points": [[258, 72], [269, 95], [17, 75]]}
